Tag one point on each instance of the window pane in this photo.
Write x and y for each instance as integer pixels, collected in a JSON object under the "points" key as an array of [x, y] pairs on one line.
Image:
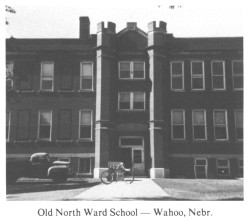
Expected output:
{"points": [[223, 171], [237, 67], [220, 133], [124, 97], [86, 69], [86, 83], [85, 118], [197, 68], [177, 83], [85, 131], [85, 165], [199, 117], [218, 82], [217, 68], [178, 117], [125, 66], [238, 82], [45, 118], [124, 74], [137, 156], [178, 132], [222, 163], [199, 132], [219, 117], [197, 83], [47, 69], [47, 84], [44, 132], [138, 70], [124, 105], [138, 97], [176, 68]]}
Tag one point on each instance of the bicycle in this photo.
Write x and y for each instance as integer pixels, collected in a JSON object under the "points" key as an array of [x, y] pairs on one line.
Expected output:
{"points": [[114, 172]]}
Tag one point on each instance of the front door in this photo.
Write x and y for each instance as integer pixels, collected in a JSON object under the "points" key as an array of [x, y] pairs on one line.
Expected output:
{"points": [[132, 152]]}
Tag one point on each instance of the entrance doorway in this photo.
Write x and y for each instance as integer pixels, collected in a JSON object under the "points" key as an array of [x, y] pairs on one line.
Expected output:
{"points": [[132, 154], [201, 168]]}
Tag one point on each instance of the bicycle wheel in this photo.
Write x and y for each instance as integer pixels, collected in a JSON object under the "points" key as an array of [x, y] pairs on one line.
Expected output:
{"points": [[106, 177], [128, 177]]}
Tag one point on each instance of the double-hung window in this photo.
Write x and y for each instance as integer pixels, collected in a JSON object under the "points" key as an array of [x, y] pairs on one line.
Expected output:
{"points": [[131, 101], [197, 75], [9, 74], [238, 114], [177, 75], [218, 75], [86, 76], [7, 125], [131, 70], [45, 125], [47, 76], [86, 121], [84, 165], [199, 124], [223, 167], [178, 124], [220, 125], [237, 67]]}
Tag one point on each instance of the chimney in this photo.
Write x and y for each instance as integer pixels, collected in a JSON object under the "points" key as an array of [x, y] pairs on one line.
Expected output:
{"points": [[84, 28]]}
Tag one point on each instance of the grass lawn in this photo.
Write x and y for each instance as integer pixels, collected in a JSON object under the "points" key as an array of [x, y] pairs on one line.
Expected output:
{"points": [[202, 189]]}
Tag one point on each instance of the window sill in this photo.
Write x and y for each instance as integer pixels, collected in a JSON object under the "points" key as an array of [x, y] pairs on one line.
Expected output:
{"points": [[46, 91], [27, 91], [176, 90], [43, 141], [64, 141], [131, 110], [87, 91], [22, 141], [65, 91], [84, 140], [131, 79]]}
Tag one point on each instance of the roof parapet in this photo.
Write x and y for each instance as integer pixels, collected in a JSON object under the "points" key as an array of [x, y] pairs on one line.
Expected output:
{"points": [[162, 26], [111, 27]]}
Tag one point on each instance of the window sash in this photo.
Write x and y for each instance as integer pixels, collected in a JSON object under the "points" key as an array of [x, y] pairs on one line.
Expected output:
{"points": [[220, 127], [86, 74], [218, 79], [178, 127], [197, 77], [131, 70], [177, 78], [237, 76], [199, 125], [84, 165], [131, 101], [45, 125], [85, 124], [46, 77]]}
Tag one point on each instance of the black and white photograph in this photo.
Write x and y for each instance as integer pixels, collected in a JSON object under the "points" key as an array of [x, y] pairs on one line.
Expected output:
{"points": [[134, 108]]}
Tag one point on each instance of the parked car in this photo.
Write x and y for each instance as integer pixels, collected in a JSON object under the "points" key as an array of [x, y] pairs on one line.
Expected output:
{"points": [[40, 165]]}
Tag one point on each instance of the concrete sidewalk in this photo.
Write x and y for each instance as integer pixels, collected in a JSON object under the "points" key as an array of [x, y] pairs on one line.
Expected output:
{"points": [[140, 189]]}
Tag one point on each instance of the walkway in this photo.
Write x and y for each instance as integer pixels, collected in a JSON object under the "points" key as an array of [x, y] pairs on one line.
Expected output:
{"points": [[140, 189]]}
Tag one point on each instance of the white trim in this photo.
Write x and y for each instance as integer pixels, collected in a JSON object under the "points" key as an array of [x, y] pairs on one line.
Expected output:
{"points": [[205, 125], [124, 146], [41, 77], [131, 70], [39, 115], [182, 76], [9, 121], [225, 167], [227, 135], [91, 138], [237, 75], [81, 76], [237, 125], [184, 132], [131, 101], [78, 169], [198, 76], [224, 76]]}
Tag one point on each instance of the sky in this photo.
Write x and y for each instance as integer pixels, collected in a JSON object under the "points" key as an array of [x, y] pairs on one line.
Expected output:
{"points": [[189, 18]]}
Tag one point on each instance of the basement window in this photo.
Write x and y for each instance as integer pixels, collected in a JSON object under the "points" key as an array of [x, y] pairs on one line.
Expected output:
{"points": [[223, 167]]}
